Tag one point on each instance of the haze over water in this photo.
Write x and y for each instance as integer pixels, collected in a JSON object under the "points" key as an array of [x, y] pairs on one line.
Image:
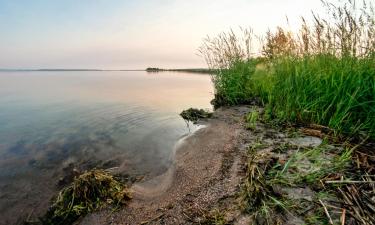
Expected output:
{"points": [[53, 122], [123, 34]]}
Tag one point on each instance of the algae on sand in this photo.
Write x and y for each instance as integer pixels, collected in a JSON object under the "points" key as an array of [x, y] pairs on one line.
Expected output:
{"points": [[88, 192], [195, 114]]}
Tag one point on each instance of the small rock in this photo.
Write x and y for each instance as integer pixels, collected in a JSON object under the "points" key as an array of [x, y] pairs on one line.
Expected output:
{"points": [[307, 141], [299, 193], [280, 135], [293, 220], [243, 109], [243, 220]]}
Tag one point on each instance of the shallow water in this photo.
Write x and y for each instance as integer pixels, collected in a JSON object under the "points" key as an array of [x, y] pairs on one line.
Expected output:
{"points": [[53, 122]]}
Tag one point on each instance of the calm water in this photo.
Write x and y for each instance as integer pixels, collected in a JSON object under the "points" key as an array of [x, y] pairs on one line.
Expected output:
{"points": [[52, 122]]}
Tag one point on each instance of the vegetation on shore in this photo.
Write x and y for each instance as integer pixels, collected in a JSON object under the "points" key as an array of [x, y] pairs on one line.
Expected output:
{"points": [[198, 70], [301, 180], [324, 74], [321, 79]]}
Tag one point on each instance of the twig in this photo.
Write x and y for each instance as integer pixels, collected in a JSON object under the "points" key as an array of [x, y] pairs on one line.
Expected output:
{"points": [[348, 182], [326, 211], [153, 219], [29, 216], [343, 216]]}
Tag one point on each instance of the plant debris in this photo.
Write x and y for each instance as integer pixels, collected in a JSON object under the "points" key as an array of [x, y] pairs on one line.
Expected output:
{"points": [[214, 217], [194, 115], [88, 192], [357, 190], [297, 179]]}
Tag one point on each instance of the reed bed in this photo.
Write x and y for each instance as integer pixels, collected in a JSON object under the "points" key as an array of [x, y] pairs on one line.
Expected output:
{"points": [[322, 74]]}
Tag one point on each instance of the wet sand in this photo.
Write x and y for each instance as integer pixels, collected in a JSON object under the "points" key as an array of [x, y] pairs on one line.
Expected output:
{"points": [[206, 174]]}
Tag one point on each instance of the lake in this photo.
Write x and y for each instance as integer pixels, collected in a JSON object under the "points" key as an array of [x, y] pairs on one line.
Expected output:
{"points": [[55, 123]]}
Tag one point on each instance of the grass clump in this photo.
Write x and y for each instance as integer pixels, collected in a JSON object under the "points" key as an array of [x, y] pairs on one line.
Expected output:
{"points": [[273, 193], [251, 119], [309, 166], [194, 115], [88, 192], [258, 197], [322, 74], [326, 90]]}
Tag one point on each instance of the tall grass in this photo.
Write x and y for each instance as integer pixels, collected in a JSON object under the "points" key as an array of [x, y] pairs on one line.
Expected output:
{"points": [[229, 54], [324, 89], [324, 73]]}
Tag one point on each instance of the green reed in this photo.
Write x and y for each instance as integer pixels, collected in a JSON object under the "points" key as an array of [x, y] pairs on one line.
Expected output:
{"points": [[323, 74]]}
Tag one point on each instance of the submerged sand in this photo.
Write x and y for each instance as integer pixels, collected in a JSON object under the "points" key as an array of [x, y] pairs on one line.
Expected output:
{"points": [[206, 174]]}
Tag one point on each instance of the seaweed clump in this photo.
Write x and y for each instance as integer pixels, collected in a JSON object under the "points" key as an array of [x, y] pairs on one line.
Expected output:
{"points": [[88, 192], [194, 115]]}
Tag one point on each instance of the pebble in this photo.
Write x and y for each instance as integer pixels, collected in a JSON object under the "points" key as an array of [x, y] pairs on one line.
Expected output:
{"points": [[306, 142]]}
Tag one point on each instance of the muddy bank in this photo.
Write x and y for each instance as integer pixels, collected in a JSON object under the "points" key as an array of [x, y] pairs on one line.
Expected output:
{"points": [[206, 174]]}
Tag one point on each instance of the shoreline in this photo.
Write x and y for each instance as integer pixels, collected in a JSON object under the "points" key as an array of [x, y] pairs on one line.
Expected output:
{"points": [[206, 170], [236, 171]]}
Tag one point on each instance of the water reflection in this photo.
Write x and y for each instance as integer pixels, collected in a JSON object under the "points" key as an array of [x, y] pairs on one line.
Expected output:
{"points": [[52, 122]]}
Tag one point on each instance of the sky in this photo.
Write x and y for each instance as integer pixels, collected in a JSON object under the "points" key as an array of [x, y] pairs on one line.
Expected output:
{"points": [[124, 34]]}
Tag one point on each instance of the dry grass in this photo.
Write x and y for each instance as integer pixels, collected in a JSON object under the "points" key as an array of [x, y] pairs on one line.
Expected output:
{"points": [[349, 30]]}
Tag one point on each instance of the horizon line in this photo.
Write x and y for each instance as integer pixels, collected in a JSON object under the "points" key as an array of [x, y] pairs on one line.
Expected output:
{"points": [[80, 69], [70, 69]]}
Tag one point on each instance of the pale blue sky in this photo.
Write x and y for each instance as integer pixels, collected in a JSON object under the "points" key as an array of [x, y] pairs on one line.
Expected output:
{"points": [[122, 34]]}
